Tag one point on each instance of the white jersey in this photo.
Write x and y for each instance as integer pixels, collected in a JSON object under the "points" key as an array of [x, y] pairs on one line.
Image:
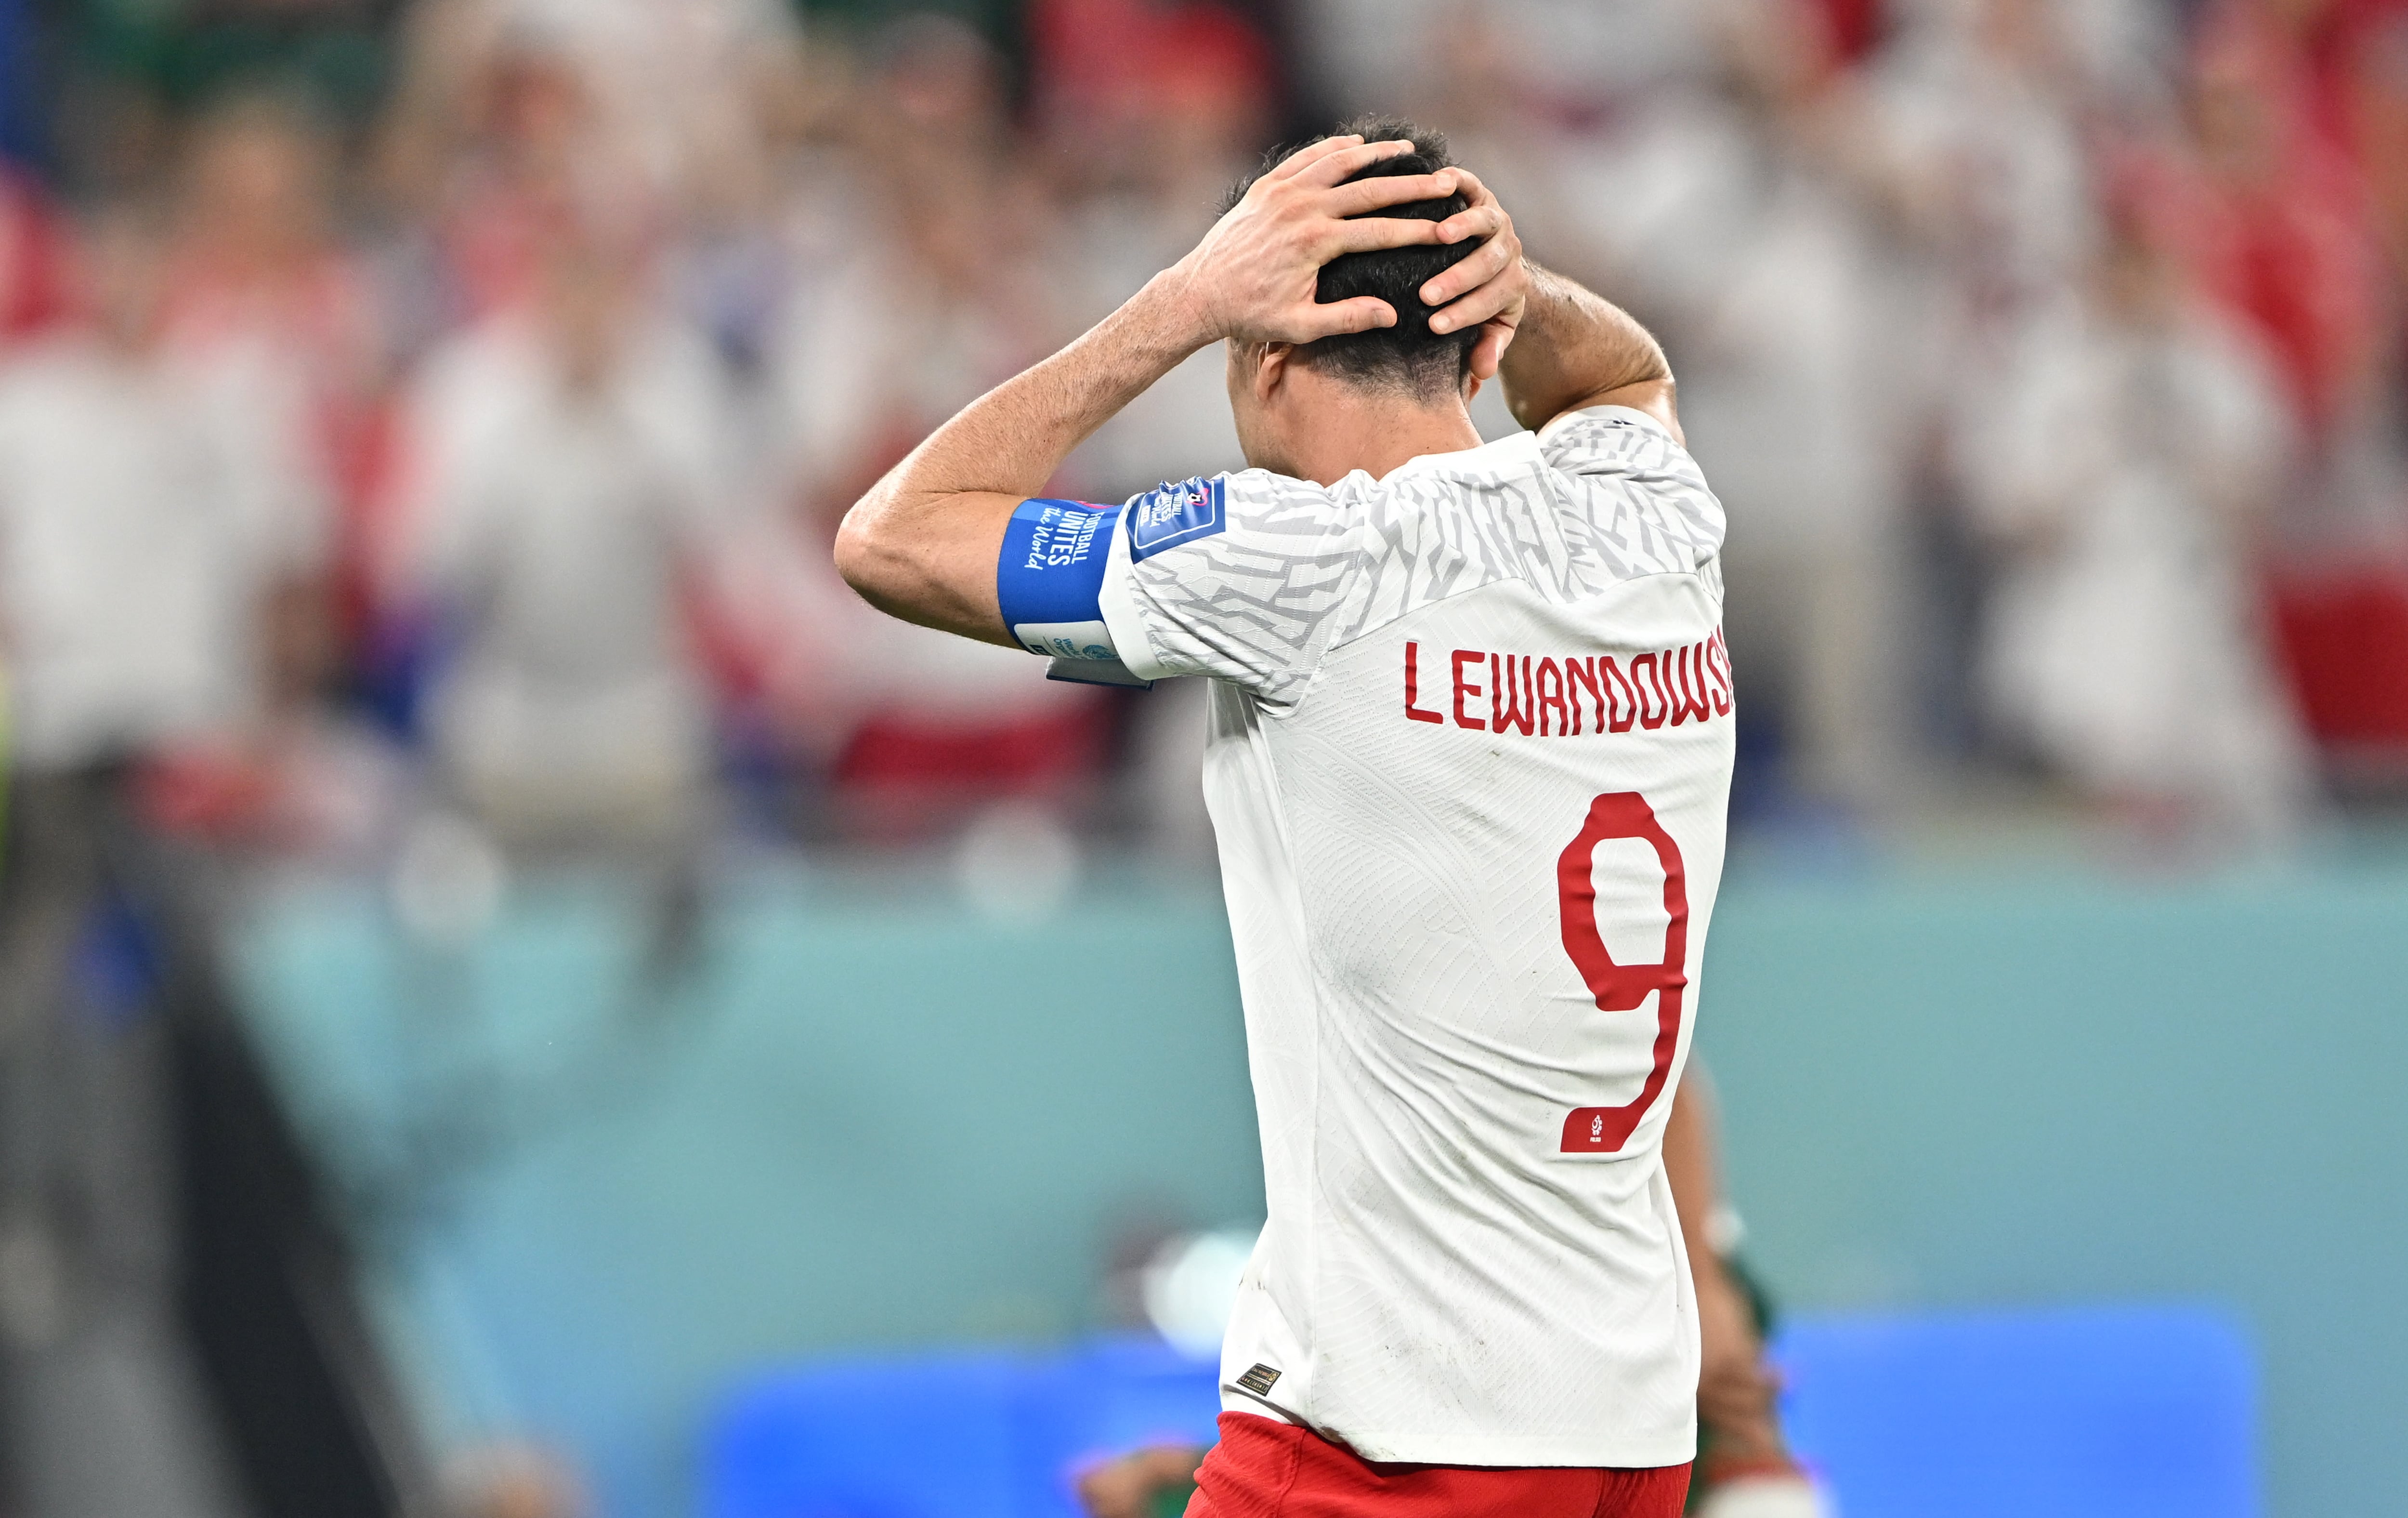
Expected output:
{"points": [[1469, 762]]}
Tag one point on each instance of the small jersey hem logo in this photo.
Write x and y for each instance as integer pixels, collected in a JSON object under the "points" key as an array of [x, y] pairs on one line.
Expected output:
{"points": [[1259, 1380]]}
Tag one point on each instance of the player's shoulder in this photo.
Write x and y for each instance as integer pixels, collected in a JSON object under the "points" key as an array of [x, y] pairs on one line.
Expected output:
{"points": [[1246, 504], [1623, 458], [1612, 440]]}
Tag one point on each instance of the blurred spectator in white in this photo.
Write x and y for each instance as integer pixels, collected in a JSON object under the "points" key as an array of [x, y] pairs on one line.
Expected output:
{"points": [[676, 79], [934, 291], [943, 285], [567, 462], [668, 101], [664, 95], [485, 140], [1583, 60], [1728, 212], [258, 275], [260, 286], [1812, 335], [2133, 443], [160, 541], [1978, 110], [1481, 78], [1160, 128], [146, 527], [1156, 112]]}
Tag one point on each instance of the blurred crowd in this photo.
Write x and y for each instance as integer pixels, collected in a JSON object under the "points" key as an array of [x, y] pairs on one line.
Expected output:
{"points": [[448, 404]]}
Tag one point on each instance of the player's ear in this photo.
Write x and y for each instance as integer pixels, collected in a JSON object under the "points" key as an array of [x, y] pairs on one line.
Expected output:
{"points": [[1271, 373]]}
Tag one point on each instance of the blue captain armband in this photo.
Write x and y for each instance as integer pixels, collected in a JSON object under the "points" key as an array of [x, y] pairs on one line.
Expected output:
{"points": [[1050, 580], [1049, 577]]}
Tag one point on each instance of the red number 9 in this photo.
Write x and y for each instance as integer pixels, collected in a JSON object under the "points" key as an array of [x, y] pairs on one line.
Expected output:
{"points": [[1620, 988]]}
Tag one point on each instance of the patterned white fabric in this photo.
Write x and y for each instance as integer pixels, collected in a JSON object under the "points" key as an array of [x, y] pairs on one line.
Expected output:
{"points": [[1472, 1255], [1300, 570]]}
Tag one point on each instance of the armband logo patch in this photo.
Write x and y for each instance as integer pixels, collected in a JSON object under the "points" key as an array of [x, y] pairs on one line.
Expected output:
{"points": [[1177, 513], [1065, 639]]}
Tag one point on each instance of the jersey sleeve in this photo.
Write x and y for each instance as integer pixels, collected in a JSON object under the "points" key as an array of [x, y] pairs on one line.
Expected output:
{"points": [[1243, 577], [1644, 501]]}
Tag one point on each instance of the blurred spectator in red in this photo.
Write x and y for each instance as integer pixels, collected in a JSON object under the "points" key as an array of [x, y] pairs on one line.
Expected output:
{"points": [[2292, 244], [2119, 461], [1090, 63], [155, 541], [566, 461], [1855, 27], [2296, 106], [941, 285], [2347, 61], [2365, 59], [507, 109], [33, 270]]}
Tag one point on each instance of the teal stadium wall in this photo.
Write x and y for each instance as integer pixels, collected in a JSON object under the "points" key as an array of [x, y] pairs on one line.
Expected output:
{"points": [[879, 1119]]}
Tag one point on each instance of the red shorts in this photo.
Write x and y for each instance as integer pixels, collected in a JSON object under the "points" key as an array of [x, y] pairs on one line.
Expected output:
{"points": [[1264, 1468]]}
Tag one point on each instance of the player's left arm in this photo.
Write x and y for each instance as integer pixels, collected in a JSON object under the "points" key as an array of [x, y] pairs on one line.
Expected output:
{"points": [[1558, 347], [1735, 1390], [924, 543], [1130, 1485]]}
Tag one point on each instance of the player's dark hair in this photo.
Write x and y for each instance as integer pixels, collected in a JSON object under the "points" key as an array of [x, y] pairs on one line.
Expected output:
{"points": [[1408, 356]]}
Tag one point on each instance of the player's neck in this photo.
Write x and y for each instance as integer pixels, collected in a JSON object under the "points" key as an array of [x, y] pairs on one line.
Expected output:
{"points": [[1373, 431]]}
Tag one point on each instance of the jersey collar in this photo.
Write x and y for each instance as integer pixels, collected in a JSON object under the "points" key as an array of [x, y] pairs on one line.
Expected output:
{"points": [[1506, 454]]}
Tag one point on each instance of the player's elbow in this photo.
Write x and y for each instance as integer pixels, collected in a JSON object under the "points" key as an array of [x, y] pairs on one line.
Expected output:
{"points": [[908, 557], [866, 554]]}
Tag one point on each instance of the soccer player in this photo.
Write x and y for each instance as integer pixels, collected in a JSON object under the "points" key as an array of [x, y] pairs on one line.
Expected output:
{"points": [[1469, 760]]}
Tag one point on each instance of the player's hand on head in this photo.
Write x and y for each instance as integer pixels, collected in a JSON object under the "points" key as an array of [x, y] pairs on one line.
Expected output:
{"points": [[1252, 277], [1490, 287]]}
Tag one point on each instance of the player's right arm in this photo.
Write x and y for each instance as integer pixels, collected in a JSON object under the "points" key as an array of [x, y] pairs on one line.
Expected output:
{"points": [[1557, 346], [924, 544]]}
